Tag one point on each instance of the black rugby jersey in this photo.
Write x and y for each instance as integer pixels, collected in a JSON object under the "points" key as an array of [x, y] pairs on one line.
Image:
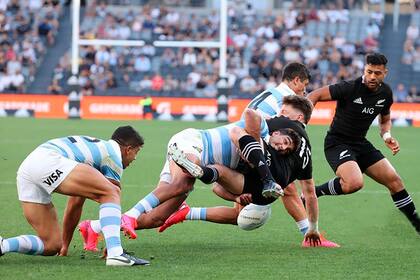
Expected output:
{"points": [[299, 162], [357, 107]]}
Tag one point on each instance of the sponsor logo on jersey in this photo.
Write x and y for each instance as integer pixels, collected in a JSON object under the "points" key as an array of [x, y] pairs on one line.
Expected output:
{"points": [[368, 110], [53, 177], [380, 103], [358, 101], [344, 154]]}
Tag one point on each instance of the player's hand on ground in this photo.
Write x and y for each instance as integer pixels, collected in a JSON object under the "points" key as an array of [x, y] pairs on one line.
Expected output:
{"points": [[393, 145], [313, 237], [63, 251], [244, 199]]}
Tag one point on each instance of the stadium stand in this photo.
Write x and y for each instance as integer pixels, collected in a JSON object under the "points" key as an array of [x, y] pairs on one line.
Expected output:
{"points": [[258, 47], [27, 29], [329, 37]]}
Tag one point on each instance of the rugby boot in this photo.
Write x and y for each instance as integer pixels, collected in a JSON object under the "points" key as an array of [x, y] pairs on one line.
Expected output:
{"points": [[177, 217], [125, 260], [128, 226], [180, 158], [90, 237]]}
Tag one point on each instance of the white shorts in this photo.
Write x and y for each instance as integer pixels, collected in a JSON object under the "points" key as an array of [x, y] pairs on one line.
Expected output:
{"points": [[190, 142], [41, 173]]}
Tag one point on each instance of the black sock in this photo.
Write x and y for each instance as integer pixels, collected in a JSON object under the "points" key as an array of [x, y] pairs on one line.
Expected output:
{"points": [[332, 187], [253, 153], [405, 204], [210, 175]]}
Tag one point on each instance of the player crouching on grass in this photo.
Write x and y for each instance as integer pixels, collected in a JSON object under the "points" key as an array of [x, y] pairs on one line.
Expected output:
{"points": [[80, 167]]}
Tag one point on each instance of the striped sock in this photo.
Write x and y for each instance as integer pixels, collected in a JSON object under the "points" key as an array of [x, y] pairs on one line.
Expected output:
{"points": [[405, 204], [197, 213], [303, 226], [332, 187], [110, 219], [24, 244], [144, 205]]}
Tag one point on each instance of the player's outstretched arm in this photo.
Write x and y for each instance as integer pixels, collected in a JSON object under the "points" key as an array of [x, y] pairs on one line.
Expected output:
{"points": [[321, 94], [308, 189], [385, 125], [71, 218]]}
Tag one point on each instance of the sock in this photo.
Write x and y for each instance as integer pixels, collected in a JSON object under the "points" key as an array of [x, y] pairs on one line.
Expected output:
{"points": [[145, 205], [110, 219], [95, 225], [197, 214], [332, 187], [24, 244], [405, 204], [303, 226], [253, 153], [210, 175]]}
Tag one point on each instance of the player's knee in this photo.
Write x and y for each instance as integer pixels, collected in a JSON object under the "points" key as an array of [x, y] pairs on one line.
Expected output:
{"points": [[353, 184], [395, 183], [52, 247]]}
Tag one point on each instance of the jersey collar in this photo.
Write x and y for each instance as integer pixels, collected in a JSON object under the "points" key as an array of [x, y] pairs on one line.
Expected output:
{"points": [[285, 88]]}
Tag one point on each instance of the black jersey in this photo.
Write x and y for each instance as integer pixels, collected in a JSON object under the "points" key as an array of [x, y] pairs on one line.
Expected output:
{"points": [[285, 168], [299, 162], [357, 107]]}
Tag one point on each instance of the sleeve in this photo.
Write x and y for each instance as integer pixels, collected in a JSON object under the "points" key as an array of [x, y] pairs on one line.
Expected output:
{"points": [[111, 168], [341, 91], [387, 108], [306, 172]]}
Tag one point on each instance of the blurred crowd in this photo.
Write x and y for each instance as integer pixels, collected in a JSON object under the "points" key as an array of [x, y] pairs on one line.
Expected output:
{"points": [[258, 48], [27, 28]]}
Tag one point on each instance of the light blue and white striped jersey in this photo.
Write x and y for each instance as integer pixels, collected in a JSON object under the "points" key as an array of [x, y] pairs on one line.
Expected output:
{"points": [[218, 147], [269, 102], [105, 156]]}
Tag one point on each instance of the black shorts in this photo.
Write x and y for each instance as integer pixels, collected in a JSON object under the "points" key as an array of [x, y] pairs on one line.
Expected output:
{"points": [[254, 186], [339, 150]]}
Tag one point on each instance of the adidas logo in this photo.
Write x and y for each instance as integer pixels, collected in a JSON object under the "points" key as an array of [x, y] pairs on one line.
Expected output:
{"points": [[358, 100]]}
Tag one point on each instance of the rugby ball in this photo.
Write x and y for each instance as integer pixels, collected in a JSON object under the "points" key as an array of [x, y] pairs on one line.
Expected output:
{"points": [[253, 216]]}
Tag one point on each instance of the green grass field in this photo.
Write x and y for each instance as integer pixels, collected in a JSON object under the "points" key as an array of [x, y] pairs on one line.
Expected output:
{"points": [[377, 241]]}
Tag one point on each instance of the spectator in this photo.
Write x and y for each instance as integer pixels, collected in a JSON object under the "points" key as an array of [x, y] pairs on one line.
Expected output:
{"points": [[88, 88], [54, 87], [248, 85], [157, 82], [142, 64], [145, 83], [400, 93], [413, 95]]}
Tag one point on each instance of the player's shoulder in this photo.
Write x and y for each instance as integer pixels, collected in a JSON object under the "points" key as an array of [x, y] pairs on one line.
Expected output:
{"points": [[386, 89]]}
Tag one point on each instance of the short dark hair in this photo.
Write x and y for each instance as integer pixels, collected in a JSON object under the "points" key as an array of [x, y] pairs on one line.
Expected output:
{"points": [[296, 139], [127, 136], [376, 59], [300, 103], [295, 69]]}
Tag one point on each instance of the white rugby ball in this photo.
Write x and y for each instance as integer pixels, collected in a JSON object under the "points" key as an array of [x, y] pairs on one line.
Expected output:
{"points": [[253, 216]]}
